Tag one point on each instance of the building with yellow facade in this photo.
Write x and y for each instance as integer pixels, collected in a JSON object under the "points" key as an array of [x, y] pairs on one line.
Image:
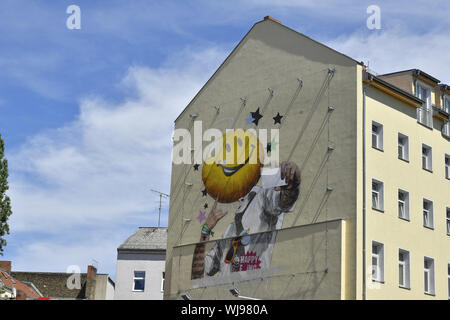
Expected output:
{"points": [[365, 212]]}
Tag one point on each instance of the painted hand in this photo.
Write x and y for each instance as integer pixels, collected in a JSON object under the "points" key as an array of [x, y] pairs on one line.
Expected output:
{"points": [[214, 216], [291, 172]]}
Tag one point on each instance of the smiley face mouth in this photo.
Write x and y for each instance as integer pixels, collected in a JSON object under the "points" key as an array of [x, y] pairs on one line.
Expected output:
{"points": [[229, 171]]}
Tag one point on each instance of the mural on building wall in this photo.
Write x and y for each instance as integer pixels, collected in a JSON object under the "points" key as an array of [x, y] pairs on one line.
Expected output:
{"points": [[247, 244]]}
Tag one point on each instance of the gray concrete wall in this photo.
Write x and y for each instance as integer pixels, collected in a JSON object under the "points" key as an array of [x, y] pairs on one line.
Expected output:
{"points": [[273, 56]]}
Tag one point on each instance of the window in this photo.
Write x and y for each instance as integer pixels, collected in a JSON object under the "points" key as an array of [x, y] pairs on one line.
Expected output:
{"points": [[403, 147], [377, 135], [447, 166], [428, 273], [163, 279], [423, 92], [139, 281], [425, 113], [447, 104], [448, 279], [377, 195], [403, 204], [403, 268], [427, 158], [428, 213], [377, 261], [448, 221]]}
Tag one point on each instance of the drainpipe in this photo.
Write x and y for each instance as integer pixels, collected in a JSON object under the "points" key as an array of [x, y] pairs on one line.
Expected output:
{"points": [[364, 186]]}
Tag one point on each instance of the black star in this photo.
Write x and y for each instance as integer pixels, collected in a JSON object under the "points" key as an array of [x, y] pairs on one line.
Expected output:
{"points": [[196, 166], [269, 147], [204, 192], [256, 116], [277, 118], [205, 206]]}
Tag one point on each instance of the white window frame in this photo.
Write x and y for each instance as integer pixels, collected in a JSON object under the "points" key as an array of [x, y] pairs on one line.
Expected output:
{"points": [[427, 158], [446, 103], [428, 212], [447, 220], [138, 278], [447, 166], [405, 203], [405, 264], [429, 89], [380, 195], [163, 279], [448, 279], [378, 267], [377, 137], [428, 275], [404, 155]]}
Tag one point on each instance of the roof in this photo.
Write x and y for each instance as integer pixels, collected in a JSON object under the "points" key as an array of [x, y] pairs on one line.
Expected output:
{"points": [[414, 72], [146, 238], [10, 282], [370, 77]]}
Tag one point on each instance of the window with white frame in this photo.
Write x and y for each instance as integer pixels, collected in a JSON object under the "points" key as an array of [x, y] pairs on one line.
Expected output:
{"points": [[163, 279], [428, 220], [377, 195], [448, 221], [447, 166], [423, 92], [427, 157], [403, 268], [403, 147], [403, 204], [447, 104], [428, 273], [139, 281], [377, 135], [448, 279], [377, 261]]}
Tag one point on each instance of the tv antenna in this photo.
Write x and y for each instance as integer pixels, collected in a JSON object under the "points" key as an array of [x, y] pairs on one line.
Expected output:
{"points": [[161, 196]]}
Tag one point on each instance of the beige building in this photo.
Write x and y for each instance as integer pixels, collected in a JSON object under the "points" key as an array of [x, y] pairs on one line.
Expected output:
{"points": [[371, 217]]}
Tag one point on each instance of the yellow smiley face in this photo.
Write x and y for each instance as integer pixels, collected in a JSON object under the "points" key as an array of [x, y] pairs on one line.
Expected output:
{"points": [[235, 168]]}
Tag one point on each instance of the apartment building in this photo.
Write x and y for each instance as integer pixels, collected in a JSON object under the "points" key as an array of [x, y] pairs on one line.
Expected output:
{"points": [[364, 212], [140, 265], [407, 174]]}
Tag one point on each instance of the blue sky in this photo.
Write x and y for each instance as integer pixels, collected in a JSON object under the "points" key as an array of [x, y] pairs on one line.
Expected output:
{"points": [[81, 110]]}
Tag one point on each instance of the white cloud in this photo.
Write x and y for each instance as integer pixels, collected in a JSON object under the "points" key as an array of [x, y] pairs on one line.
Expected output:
{"points": [[95, 173], [395, 49]]}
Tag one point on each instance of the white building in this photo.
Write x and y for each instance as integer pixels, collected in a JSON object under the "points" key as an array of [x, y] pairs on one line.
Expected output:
{"points": [[141, 264]]}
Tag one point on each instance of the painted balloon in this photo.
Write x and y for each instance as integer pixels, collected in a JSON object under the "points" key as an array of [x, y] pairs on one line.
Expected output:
{"points": [[235, 168]]}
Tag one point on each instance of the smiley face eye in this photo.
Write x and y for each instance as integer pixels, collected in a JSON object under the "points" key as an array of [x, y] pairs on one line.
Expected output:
{"points": [[228, 148], [239, 141]]}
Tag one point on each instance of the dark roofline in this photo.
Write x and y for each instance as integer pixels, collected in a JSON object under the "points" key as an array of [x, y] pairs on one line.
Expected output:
{"points": [[129, 250], [416, 72], [315, 41], [239, 44], [445, 87], [371, 77]]}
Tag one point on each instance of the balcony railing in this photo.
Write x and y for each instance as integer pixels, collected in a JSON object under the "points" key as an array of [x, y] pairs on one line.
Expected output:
{"points": [[425, 116]]}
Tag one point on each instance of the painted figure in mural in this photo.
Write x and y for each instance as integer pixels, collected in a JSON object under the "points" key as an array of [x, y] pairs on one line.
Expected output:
{"points": [[247, 243]]}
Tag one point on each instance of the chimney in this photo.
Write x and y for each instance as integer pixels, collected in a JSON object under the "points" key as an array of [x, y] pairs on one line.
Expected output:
{"points": [[6, 265], [92, 272], [272, 18], [91, 282]]}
